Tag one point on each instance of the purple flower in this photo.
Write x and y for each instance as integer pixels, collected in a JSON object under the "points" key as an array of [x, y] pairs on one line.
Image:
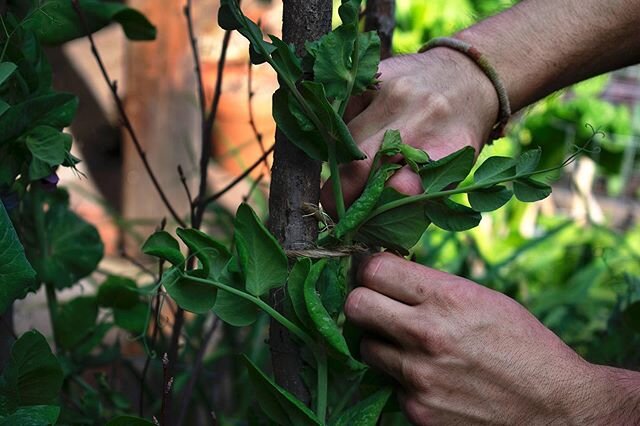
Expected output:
{"points": [[50, 183]]}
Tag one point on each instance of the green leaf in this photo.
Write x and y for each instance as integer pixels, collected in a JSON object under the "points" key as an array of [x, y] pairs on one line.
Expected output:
{"points": [[128, 421], [55, 110], [57, 22], [33, 415], [6, 70], [33, 375], [333, 61], [212, 254], [230, 308], [346, 148], [118, 292], [489, 199], [4, 107], [364, 205], [48, 147], [529, 190], [366, 412], [300, 272], [162, 245], [446, 171], [324, 325], [133, 319], [495, 168], [16, 274], [285, 57], [75, 320], [451, 216], [414, 157], [528, 161], [230, 17], [398, 229], [190, 295], [278, 404], [72, 249], [263, 262]]}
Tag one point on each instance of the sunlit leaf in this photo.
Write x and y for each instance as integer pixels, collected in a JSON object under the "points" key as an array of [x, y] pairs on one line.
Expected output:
{"points": [[452, 169]]}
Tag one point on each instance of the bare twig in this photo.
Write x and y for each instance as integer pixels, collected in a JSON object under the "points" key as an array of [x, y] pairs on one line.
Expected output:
{"points": [[196, 60], [185, 185], [197, 365], [252, 122], [123, 115], [237, 180], [167, 382], [254, 185], [138, 264]]}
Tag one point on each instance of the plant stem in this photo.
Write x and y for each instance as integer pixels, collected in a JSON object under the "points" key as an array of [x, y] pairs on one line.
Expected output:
{"points": [[336, 184], [323, 382], [297, 331]]}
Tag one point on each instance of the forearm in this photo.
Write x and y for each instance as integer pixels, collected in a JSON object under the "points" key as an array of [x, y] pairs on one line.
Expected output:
{"points": [[612, 398], [539, 46]]}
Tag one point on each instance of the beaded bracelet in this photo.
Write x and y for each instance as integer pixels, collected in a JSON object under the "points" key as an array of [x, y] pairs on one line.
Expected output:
{"points": [[482, 62]]}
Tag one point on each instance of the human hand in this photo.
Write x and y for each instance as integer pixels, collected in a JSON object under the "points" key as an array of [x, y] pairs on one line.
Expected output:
{"points": [[440, 101], [465, 354]]}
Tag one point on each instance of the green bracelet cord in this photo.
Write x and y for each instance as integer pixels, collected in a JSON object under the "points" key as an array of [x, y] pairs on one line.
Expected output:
{"points": [[482, 62]]}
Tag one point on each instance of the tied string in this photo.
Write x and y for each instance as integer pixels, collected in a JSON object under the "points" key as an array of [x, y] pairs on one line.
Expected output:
{"points": [[324, 253]]}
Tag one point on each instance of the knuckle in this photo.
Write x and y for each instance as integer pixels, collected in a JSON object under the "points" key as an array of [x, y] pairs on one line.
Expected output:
{"points": [[354, 301], [438, 106], [369, 269], [415, 411]]}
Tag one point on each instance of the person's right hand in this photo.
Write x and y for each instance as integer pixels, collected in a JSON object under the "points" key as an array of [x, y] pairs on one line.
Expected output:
{"points": [[440, 101]]}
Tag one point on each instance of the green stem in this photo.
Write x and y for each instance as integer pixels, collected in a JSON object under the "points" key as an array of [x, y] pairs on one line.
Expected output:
{"points": [[469, 188], [323, 384], [297, 331], [354, 72], [336, 184]]}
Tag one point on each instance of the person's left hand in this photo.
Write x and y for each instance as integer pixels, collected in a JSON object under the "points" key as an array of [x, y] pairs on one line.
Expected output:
{"points": [[464, 354]]}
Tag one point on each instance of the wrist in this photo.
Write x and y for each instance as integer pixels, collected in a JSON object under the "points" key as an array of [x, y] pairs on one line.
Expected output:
{"points": [[607, 396]]}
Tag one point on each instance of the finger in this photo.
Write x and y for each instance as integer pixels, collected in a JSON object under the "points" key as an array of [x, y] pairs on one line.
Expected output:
{"points": [[406, 181], [357, 104], [378, 314], [402, 280], [383, 356]]}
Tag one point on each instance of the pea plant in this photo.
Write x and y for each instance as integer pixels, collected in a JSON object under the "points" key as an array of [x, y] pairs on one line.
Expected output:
{"points": [[308, 108], [44, 244]]}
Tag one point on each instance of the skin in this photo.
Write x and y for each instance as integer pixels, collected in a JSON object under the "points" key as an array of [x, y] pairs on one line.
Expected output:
{"points": [[461, 353], [464, 354]]}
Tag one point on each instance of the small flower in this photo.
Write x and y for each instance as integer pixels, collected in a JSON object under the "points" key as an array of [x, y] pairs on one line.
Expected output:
{"points": [[50, 183]]}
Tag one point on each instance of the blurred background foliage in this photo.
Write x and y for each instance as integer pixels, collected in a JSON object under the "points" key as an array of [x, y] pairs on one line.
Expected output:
{"points": [[574, 263]]}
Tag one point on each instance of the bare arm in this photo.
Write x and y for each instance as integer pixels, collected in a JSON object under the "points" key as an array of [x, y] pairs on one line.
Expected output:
{"points": [[539, 46]]}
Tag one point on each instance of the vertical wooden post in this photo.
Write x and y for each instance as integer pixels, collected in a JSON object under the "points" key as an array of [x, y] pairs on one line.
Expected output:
{"points": [[295, 181], [161, 104]]}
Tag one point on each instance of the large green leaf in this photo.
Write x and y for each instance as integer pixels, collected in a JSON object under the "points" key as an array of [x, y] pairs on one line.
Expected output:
{"points": [[285, 58], [54, 110], [495, 168], [56, 21], [398, 229], [75, 321], [162, 245], [212, 254], [72, 248], [48, 147], [262, 260], [528, 161], [190, 295], [451, 216], [118, 292], [233, 309], [133, 319], [33, 415], [230, 17], [529, 190], [366, 412], [17, 277], [33, 375], [452, 169], [278, 404], [489, 199]]}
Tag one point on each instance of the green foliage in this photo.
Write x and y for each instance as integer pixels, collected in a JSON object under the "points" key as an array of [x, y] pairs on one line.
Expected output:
{"points": [[161, 244], [16, 274], [30, 382], [61, 246], [262, 260], [366, 412], [56, 22]]}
